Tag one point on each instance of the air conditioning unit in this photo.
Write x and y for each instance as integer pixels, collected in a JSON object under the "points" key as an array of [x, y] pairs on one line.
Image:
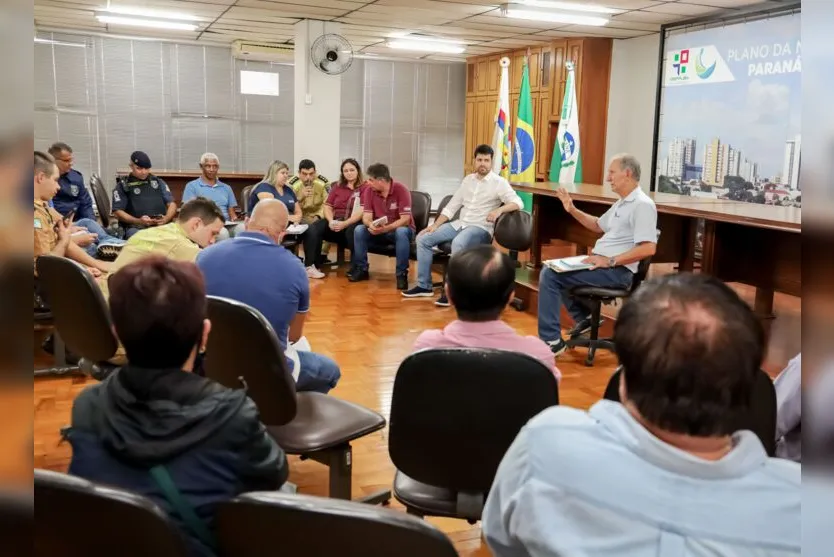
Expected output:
{"points": [[263, 52]]}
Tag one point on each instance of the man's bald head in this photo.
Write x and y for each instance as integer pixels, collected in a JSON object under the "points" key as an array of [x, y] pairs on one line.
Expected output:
{"points": [[269, 217], [479, 282]]}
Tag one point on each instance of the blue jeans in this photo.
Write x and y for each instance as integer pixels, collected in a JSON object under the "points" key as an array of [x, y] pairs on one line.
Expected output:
{"points": [[461, 239], [318, 373], [401, 238], [94, 227], [553, 292]]}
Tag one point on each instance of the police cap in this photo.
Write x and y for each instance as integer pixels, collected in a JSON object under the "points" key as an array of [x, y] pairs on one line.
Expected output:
{"points": [[140, 159]]}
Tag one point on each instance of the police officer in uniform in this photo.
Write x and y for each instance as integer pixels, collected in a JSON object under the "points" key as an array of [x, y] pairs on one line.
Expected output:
{"points": [[311, 190], [73, 199], [73, 195], [141, 200]]}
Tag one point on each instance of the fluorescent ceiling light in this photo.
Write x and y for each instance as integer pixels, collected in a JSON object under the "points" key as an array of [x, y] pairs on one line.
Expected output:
{"points": [[434, 40], [142, 12], [569, 6], [59, 43], [152, 23], [554, 17], [426, 46]]}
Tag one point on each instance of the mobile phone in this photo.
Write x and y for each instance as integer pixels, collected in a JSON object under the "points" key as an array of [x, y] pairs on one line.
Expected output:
{"points": [[381, 221]]}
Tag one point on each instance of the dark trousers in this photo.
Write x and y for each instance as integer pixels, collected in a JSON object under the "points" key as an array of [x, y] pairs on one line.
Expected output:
{"points": [[341, 238], [311, 240]]}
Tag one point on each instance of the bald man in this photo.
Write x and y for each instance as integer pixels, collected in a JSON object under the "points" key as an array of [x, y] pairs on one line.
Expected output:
{"points": [[254, 268]]}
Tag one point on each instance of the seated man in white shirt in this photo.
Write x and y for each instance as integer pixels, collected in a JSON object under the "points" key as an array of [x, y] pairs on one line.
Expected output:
{"points": [[482, 197], [665, 473], [629, 235]]}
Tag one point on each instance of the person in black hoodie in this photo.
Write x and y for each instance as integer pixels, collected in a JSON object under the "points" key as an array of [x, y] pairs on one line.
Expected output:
{"points": [[154, 416]]}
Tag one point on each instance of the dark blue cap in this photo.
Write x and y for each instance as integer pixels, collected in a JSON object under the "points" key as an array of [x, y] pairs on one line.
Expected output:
{"points": [[140, 159]]}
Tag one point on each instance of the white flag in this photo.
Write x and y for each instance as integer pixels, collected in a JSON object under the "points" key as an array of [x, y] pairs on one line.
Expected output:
{"points": [[501, 133], [566, 164]]}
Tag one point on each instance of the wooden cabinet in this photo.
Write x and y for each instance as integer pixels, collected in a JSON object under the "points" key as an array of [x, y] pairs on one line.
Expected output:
{"points": [[544, 147], [560, 52], [480, 113], [482, 77], [517, 67], [471, 77], [493, 75], [548, 77]]}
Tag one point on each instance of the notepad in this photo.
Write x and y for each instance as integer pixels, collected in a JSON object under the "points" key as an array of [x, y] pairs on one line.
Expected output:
{"points": [[567, 264], [296, 229]]}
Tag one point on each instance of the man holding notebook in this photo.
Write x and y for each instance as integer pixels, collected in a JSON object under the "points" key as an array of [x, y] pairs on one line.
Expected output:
{"points": [[629, 235], [386, 220]]}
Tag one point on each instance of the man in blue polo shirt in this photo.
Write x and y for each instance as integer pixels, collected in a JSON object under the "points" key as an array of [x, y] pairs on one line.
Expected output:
{"points": [[256, 270], [208, 186]]}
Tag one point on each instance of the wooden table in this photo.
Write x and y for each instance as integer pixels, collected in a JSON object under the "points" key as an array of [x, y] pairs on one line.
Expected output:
{"points": [[759, 245], [177, 179]]}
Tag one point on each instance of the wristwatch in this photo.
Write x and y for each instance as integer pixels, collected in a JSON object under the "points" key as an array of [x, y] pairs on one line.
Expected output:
{"points": [[612, 262]]}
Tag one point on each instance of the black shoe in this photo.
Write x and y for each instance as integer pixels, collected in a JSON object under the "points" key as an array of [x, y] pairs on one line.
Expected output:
{"points": [[48, 346], [418, 292], [402, 282], [582, 327], [442, 301], [359, 275], [557, 346], [352, 271]]}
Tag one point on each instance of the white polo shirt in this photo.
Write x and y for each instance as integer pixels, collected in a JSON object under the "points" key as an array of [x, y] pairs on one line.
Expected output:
{"points": [[477, 197], [631, 220]]}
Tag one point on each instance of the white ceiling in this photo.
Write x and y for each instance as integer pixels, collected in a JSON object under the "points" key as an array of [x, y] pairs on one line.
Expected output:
{"points": [[367, 24]]}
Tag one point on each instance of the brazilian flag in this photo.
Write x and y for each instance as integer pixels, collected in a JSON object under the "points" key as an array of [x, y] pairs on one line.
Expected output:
{"points": [[523, 164]]}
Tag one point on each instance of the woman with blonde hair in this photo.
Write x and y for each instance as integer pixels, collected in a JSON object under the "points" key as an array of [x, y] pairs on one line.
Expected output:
{"points": [[274, 186]]}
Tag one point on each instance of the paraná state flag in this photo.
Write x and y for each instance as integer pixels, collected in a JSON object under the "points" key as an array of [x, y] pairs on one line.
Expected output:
{"points": [[566, 164]]}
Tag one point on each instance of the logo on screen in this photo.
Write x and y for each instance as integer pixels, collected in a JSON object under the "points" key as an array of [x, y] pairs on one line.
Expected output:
{"points": [[696, 65], [703, 71], [680, 61]]}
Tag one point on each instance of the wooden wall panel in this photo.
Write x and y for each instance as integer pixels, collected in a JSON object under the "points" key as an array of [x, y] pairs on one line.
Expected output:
{"points": [[548, 75]]}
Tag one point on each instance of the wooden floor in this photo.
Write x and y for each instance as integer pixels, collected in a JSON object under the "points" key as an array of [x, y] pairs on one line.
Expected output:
{"points": [[368, 328]]}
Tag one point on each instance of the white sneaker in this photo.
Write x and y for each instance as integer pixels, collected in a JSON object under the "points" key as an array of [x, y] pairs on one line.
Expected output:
{"points": [[312, 272]]}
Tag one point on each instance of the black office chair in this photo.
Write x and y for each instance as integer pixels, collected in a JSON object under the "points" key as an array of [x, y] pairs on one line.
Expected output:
{"points": [[245, 193], [761, 418], [243, 351], [594, 297], [250, 524], [103, 205], [17, 521], [420, 207], [514, 232], [80, 313], [77, 518], [446, 438]]}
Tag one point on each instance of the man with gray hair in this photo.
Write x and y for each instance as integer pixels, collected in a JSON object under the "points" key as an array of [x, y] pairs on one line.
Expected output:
{"points": [[629, 235], [208, 186]]}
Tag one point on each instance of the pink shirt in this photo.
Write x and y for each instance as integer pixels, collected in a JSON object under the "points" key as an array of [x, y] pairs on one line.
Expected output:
{"points": [[488, 334]]}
